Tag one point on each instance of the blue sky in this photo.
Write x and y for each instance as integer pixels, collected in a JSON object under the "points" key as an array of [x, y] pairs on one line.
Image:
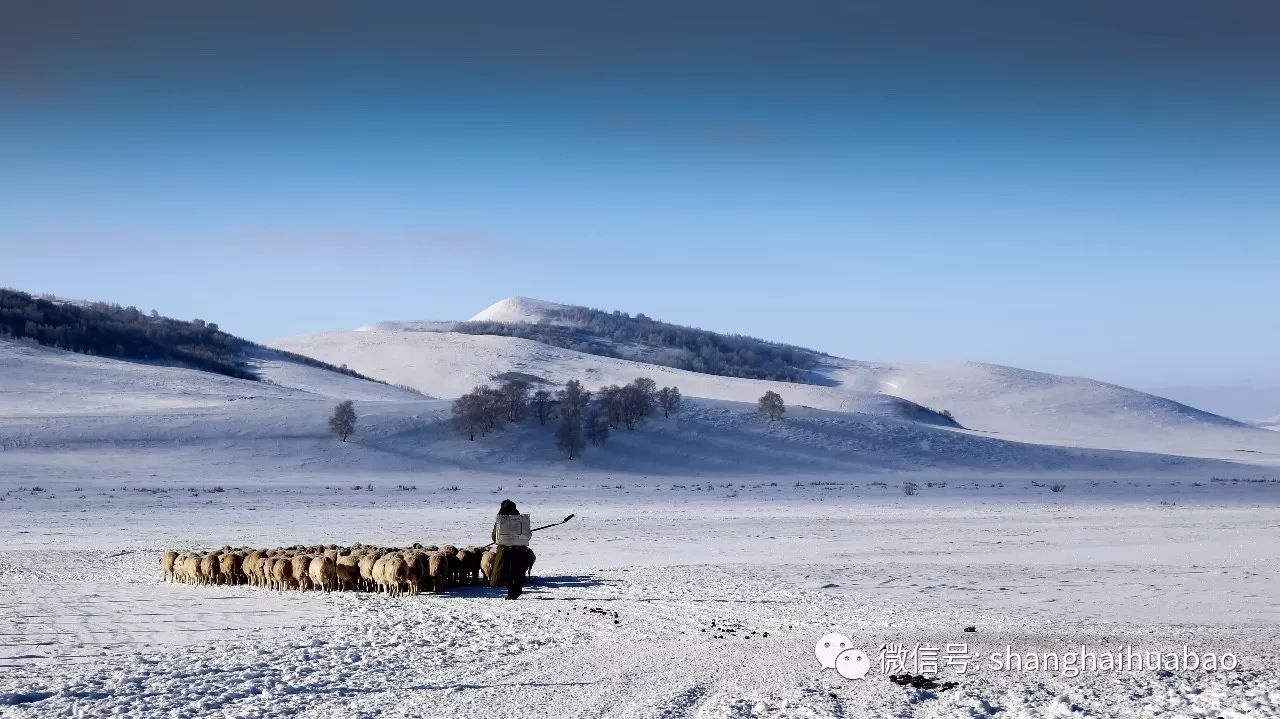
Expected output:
{"points": [[1086, 188]]}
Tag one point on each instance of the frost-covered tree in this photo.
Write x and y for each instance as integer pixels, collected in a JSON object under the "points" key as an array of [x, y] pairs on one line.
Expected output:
{"points": [[771, 406], [542, 405], [669, 399], [343, 421], [617, 334], [648, 390], [633, 406], [573, 398]]}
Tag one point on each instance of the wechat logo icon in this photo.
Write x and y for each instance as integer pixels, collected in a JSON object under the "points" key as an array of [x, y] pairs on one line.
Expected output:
{"points": [[836, 651]]}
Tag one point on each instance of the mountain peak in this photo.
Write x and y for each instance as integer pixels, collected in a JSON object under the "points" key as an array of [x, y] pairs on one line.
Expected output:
{"points": [[517, 309]]}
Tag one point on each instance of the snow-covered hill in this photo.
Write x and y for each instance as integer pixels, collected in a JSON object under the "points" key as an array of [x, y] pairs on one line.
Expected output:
{"points": [[60, 410], [517, 309], [865, 417], [1004, 402]]}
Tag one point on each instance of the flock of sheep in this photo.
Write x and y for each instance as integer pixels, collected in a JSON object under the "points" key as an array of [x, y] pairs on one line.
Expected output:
{"points": [[391, 570]]}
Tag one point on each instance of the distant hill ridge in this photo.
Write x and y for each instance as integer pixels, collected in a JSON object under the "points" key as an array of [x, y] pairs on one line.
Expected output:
{"points": [[640, 338]]}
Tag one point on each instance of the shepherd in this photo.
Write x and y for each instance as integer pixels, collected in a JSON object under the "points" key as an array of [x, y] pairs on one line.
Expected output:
{"points": [[511, 534]]}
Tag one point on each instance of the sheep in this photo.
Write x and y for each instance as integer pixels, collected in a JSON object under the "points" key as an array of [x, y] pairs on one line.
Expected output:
{"points": [[282, 573], [191, 569], [208, 571], [180, 567], [419, 570], [301, 563], [438, 570], [390, 573], [365, 565], [166, 565], [229, 568], [396, 573], [348, 569], [486, 564], [252, 567], [468, 566], [391, 570], [267, 570], [378, 573], [323, 572]]}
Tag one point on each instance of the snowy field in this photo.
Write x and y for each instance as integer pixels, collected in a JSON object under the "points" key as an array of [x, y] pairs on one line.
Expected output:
{"points": [[654, 601], [709, 551]]}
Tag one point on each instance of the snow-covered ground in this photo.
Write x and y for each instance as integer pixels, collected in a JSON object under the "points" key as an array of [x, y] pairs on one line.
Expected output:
{"points": [[663, 597], [708, 554]]}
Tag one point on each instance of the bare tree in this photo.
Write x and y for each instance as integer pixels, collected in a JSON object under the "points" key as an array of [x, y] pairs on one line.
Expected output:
{"points": [[542, 405], [573, 401], [771, 406], [611, 403], [491, 406], [569, 434], [596, 427], [468, 414], [669, 398], [515, 394], [632, 406], [343, 421], [637, 400]]}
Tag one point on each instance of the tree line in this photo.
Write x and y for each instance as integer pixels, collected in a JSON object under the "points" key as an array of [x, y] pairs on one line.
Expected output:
{"points": [[122, 333], [109, 330], [618, 334], [579, 419]]}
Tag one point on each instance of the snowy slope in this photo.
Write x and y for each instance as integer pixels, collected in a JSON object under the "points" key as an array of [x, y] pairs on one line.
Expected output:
{"points": [[60, 410], [1243, 402], [36, 381], [1005, 402], [1053, 409], [286, 372], [447, 364], [409, 326]]}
